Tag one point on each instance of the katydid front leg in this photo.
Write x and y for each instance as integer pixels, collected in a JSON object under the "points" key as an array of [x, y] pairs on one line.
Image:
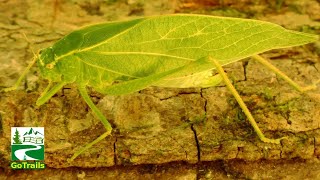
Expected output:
{"points": [[24, 73], [47, 94]]}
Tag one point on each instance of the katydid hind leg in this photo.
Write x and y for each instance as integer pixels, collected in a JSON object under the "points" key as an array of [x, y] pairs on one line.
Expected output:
{"points": [[47, 94], [97, 112], [242, 104], [299, 88]]}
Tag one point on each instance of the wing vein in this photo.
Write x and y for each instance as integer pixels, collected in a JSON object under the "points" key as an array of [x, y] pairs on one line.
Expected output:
{"points": [[143, 53], [109, 39], [103, 68]]}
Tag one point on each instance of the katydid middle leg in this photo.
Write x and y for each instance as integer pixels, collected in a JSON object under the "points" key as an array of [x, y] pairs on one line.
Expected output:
{"points": [[97, 112]]}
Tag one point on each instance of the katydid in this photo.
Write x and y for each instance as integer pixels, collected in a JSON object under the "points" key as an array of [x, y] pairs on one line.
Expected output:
{"points": [[177, 51]]}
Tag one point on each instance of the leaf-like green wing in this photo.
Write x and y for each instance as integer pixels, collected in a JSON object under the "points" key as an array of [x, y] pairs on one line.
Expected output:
{"points": [[167, 42], [141, 83], [152, 45], [91, 35]]}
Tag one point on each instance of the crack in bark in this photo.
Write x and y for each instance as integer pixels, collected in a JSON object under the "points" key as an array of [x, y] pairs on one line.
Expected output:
{"points": [[238, 150], [205, 101], [197, 143], [314, 146], [194, 130], [245, 65], [281, 152], [115, 152], [1, 126]]}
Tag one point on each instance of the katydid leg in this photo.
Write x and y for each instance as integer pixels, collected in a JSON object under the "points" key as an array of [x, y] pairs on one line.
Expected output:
{"points": [[47, 88], [47, 94], [97, 112], [93, 107], [76, 154], [16, 85], [242, 104], [284, 76]]}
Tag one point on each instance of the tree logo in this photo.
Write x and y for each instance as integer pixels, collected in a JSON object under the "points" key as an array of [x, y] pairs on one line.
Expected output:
{"points": [[27, 143]]}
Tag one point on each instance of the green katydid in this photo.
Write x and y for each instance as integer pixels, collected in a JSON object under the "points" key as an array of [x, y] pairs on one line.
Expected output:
{"points": [[177, 51]]}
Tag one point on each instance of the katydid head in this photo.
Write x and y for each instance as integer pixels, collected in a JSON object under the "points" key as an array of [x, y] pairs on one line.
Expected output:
{"points": [[47, 65]]}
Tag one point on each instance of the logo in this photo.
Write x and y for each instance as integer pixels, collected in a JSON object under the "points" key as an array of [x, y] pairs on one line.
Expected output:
{"points": [[27, 143]]}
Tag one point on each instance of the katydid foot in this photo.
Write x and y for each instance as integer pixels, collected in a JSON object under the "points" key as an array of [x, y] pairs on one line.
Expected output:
{"points": [[310, 87], [273, 141], [86, 147]]}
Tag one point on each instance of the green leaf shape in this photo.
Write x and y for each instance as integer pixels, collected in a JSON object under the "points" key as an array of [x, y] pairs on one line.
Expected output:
{"points": [[141, 83], [91, 35], [153, 45]]}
